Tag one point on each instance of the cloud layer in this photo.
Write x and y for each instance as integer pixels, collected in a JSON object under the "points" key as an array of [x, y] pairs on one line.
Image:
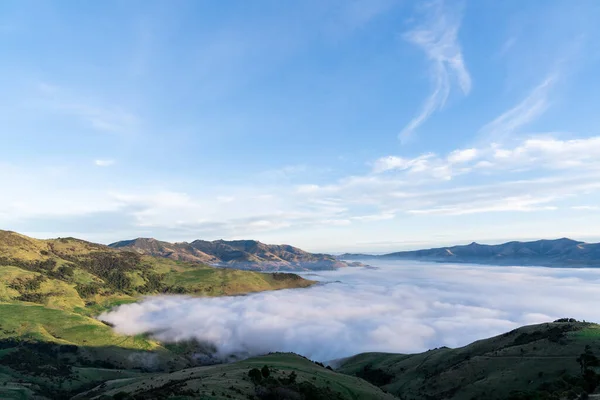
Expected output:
{"points": [[401, 307]]}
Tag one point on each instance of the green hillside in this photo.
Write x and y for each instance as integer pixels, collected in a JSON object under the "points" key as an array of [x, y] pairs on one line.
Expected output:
{"points": [[532, 362], [51, 290], [289, 377], [52, 347], [70, 274]]}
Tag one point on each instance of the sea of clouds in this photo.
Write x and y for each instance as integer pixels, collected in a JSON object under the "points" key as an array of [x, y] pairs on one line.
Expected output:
{"points": [[400, 307]]}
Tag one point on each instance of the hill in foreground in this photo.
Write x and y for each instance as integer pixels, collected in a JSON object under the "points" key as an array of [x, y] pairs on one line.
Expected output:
{"points": [[547, 361], [553, 253], [240, 254], [286, 376]]}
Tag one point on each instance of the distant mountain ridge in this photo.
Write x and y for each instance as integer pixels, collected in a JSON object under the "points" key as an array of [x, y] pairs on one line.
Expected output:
{"points": [[554, 253], [241, 254]]}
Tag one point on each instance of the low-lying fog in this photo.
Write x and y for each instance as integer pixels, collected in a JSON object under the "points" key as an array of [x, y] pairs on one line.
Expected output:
{"points": [[401, 307]]}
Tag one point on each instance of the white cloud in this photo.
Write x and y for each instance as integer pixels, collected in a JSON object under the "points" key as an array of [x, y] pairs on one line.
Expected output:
{"points": [[534, 105], [551, 153], [104, 162], [225, 199], [461, 156], [398, 163], [521, 203], [558, 169], [402, 307], [537, 174], [375, 217], [438, 37], [545, 153]]}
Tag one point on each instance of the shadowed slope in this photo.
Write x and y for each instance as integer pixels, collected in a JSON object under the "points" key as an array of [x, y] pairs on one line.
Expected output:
{"points": [[538, 360], [290, 377]]}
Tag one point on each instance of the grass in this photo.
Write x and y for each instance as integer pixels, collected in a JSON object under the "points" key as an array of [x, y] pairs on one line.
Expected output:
{"points": [[538, 358], [51, 290], [89, 264], [232, 381], [59, 326], [209, 281], [590, 332]]}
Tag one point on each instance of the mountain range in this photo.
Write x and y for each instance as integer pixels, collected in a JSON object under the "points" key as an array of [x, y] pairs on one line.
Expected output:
{"points": [[552, 253], [239, 254], [54, 346]]}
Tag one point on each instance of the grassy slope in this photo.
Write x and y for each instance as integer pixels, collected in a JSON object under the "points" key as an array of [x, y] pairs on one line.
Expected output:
{"points": [[529, 359], [226, 381], [41, 301]]}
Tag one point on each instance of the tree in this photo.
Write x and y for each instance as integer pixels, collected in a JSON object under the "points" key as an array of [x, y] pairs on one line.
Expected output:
{"points": [[255, 375], [587, 359], [265, 372], [292, 377]]}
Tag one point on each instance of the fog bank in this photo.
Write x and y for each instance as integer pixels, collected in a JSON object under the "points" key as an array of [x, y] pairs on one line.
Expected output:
{"points": [[401, 307]]}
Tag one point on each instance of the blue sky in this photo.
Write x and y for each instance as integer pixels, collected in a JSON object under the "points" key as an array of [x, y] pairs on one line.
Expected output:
{"points": [[361, 125]]}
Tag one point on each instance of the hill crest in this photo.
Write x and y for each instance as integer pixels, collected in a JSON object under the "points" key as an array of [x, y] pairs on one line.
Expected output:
{"points": [[241, 254], [563, 252]]}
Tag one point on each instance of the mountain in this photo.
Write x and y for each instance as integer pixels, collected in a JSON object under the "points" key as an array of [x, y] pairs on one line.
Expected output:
{"points": [[89, 271], [51, 344], [546, 361], [240, 254], [555, 253]]}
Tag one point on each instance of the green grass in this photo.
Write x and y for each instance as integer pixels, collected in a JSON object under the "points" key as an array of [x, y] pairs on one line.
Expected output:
{"points": [[588, 333], [22, 259], [51, 290], [231, 380], [208, 281], [527, 359], [59, 326]]}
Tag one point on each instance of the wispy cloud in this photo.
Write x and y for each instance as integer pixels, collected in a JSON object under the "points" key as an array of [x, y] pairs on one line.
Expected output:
{"points": [[355, 14], [102, 118], [462, 156], [534, 105], [520, 203], [104, 162], [534, 175], [112, 120], [438, 38], [507, 46], [400, 163], [585, 208]]}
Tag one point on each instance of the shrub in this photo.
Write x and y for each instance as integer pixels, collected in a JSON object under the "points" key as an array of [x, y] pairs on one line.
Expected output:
{"points": [[265, 372], [255, 375]]}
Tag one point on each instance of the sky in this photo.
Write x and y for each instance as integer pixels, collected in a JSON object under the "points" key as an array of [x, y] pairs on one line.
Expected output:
{"points": [[402, 307], [332, 125]]}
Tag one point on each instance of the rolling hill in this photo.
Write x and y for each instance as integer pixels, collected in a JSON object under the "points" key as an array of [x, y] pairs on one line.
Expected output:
{"points": [[290, 376], [553, 253], [547, 361], [240, 254], [52, 347], [50, 291]]}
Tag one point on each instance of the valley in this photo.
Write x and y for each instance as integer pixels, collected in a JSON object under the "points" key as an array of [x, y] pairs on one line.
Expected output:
{"points": [[86, 321]]}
